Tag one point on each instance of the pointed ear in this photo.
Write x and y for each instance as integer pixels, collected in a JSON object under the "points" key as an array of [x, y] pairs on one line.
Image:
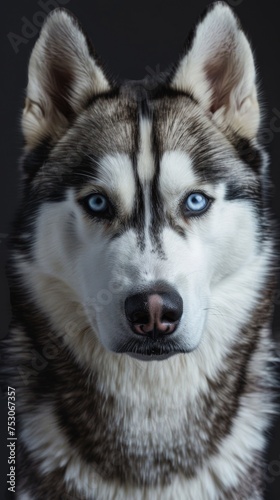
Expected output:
{"points": [[63, 75], [218, 70]]}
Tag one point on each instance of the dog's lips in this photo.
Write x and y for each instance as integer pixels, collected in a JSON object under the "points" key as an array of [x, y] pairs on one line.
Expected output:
{"points": [[151, 357], [150, 349]]}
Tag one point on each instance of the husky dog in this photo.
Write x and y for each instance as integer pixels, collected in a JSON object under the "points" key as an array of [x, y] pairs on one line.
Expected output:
{"points": [[142, 275]]}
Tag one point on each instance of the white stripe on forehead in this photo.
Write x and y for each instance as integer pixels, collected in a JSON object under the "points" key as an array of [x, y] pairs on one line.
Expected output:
{"points": [[116, 176], [176, 174], [145, 160]]}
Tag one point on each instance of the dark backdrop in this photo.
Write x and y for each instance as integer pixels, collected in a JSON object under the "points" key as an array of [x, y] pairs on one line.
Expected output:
{"points": [[134, 38]]}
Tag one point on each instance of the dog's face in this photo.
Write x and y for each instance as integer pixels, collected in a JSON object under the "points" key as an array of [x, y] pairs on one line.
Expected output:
{"points": [[146, 200]]}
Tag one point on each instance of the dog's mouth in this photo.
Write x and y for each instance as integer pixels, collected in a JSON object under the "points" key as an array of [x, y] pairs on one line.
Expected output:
{"points": [[150, 349]]}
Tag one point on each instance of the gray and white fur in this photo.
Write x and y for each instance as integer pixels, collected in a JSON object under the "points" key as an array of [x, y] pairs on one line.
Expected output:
{"points": [[105, 408]]}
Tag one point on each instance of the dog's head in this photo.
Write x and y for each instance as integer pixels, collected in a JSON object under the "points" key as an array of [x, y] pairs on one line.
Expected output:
{"points": [[148, 194]]}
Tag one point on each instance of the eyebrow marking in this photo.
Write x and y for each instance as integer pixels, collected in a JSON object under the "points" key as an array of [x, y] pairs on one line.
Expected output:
{"points": [[115, 174]]}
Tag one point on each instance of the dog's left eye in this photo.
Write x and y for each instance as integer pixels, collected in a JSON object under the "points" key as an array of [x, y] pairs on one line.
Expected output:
{"points": [[97, 204], [196, 202]]}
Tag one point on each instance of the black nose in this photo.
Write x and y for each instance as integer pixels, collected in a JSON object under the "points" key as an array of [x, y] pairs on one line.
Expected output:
{"points": [[154, 313]]}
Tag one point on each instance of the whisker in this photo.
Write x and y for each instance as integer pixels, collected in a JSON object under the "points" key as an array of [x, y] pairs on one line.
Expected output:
{"points": [[218, 312]]}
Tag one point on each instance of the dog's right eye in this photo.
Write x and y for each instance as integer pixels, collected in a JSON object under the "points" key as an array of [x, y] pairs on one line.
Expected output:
{"points": [[98, 205]]}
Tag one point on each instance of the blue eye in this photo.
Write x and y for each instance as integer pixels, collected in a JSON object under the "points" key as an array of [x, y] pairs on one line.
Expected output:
{"points": [[97, 203], [196, 202]]}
